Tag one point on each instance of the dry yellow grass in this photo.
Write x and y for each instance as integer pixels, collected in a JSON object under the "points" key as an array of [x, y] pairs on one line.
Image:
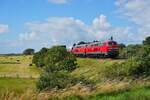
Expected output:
{"points": [[101, 88], [18, 66], [28, 95]]}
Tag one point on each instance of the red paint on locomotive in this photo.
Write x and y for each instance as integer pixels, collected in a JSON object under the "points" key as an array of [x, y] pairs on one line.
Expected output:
{"points": [[108, 48]]}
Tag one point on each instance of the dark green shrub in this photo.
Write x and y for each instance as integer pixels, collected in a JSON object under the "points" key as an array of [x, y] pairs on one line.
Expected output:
{"points": [[28, 51], [133, 67], [129, 51], [121, 46], [143, 57], [56, 63], [130, 66], [143, 53], [38, 58], [147, 41], [55, 59], [58, 80]]}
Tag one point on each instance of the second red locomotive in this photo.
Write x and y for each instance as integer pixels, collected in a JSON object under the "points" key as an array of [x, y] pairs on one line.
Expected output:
{"points": [[98, 49]]}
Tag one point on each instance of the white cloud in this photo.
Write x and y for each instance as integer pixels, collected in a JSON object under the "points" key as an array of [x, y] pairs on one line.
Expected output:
{"points": [[67, 30], [101, 23], [56, 30], [27, 36], [136, 11], [3, 28], [101, 28], [59, 1]]}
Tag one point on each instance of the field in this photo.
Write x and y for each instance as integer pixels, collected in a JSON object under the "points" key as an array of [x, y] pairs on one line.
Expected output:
{"points": [[18, 66], [19, 85], [18, 78]]}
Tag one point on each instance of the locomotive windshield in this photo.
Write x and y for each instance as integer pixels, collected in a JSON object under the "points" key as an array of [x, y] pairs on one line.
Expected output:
{"points": [[112, 43]]}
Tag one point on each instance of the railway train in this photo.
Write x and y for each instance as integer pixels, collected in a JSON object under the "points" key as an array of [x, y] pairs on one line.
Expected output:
{"points": [[108, 48]]}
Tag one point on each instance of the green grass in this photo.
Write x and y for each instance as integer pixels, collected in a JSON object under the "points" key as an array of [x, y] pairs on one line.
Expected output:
{"points": [[90, 68], [16, 75], [17, 85], [139, 94], [135, 94]]}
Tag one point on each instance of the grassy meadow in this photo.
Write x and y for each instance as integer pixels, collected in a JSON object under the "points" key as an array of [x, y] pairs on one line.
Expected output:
{"points": [[18, 66], [19, 85], [135, 94], [18, 78], [90, 68]]}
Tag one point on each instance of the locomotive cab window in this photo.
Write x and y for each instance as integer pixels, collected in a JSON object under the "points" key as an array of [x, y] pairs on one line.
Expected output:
{"points": [[112, 43]]}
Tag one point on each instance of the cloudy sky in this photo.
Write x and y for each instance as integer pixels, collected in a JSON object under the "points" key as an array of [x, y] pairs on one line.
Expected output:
{"points": [[43, 23]]}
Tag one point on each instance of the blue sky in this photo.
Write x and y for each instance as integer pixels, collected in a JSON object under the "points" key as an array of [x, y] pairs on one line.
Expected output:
{"points": [[43, 23]]}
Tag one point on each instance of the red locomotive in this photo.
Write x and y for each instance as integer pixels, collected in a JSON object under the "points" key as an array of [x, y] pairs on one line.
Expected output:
{"points": [[98, 49]]}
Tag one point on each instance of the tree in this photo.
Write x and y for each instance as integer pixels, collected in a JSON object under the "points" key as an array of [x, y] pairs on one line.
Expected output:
{"points": [[129, 51], [58, 58], [143, 58], [147, 41], [121, 46], [28, 51], [56, 63], [38, 58]]}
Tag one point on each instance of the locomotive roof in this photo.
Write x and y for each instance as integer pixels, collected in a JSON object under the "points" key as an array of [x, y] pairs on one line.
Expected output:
{"points": [[109, 41], [93, 43], [88, 43]]}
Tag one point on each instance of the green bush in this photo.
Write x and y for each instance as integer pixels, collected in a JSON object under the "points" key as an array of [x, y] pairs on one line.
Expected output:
{"points": [[59, 59], [147, 41], [129, 51], [55, 59], [56, 62], [113, 72], [38, 58], [143, 58], [134, 50], [58, 80], [129, 68], [133, 67]]}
